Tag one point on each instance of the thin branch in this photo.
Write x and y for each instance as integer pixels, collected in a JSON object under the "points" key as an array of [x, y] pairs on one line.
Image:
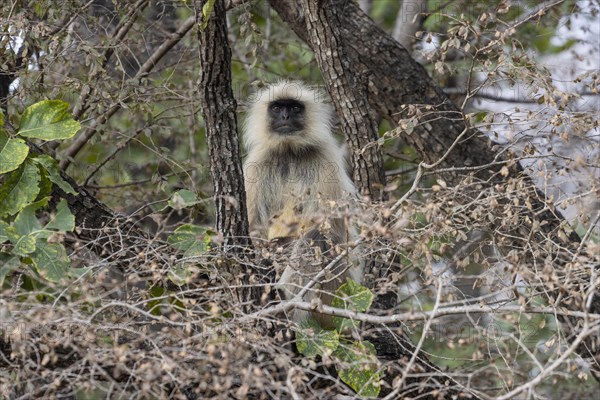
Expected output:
{"points": [[119, 33], [159, 53], [400, 383], [584, 333]]}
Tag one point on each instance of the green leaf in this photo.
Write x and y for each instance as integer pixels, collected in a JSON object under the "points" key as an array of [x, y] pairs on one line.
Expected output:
{"points": [[51, 261], [20, 189], [51, 167], [8, 232], [26, 222], [351, 296], [359, 367], [312, 339], [48, 120], [154, 305], [12, 152], [193, 240], [63, 220], [40, 9], [24, 245], [45, 186], [8, 263], [181, 274], [4, 227], [565, 46], [342, 324], [206, 11], [182, 199], [79, 272]]}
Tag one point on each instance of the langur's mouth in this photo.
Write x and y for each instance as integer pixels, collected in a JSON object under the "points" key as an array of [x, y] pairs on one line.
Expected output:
{"points": [[287, 129]]}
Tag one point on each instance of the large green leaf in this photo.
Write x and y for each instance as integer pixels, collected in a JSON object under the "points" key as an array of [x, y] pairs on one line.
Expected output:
{"points": [[193, 240], [26, 222], [48, 120], [63, 220], [8, 263], [312, 339], [24, 245], [53, 172], [20, 189], [207, 9], [13, 152], [4, 227], [8, 232], [182, 199], [351, 296], [23, 233], [359, 369], [51, 261]]}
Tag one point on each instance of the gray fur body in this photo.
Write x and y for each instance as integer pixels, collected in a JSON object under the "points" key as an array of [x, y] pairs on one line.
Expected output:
{"points": [[294, 183]]}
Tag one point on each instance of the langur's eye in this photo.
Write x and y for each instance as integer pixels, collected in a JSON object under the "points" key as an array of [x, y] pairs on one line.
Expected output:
{"points": [[276, 108], [296, 109]]}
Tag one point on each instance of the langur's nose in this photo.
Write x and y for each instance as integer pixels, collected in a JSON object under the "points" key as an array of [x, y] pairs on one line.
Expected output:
{"points": [[285, 114]]}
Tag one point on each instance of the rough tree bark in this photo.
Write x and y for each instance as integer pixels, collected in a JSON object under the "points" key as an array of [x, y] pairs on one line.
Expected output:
{"points": [[219, 111], [349, 95], [395, 80]]}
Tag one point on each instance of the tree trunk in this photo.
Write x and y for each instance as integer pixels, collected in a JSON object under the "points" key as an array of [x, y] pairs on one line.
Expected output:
{"points": [[219, 111], [349, 95]]}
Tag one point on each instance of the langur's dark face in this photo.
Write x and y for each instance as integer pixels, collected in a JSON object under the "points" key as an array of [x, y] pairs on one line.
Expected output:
{"points": [[286, 116]]}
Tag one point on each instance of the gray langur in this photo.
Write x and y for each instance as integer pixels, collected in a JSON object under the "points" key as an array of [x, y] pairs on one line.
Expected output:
{"points": [[297, 188]]}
